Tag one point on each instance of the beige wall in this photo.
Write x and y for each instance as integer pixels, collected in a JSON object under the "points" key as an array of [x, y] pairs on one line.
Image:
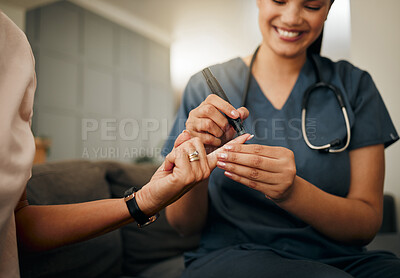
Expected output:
{"points": [[16, 14], [375, 47]]}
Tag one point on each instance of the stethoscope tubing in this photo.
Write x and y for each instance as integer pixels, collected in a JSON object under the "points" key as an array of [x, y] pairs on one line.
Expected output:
{"points": [[329, 146], [319, 84]]}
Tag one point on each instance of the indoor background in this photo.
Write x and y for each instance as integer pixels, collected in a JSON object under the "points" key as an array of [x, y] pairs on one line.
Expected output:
{"points": [[111, 72]]}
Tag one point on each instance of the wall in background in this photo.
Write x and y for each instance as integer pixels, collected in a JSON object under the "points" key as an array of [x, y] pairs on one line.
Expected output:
{"points": [[203, 37], [375, 45], [337, 32], [15, 13], [103, 91]]}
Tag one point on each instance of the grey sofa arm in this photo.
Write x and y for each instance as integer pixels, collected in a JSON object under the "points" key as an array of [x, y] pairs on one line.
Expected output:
{"points": [[387, 238], [389, 221]]}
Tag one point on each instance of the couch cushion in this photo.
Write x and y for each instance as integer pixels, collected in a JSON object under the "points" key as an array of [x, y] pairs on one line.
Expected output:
{"points": [[67, 182], [144, 247], [72, 182]]}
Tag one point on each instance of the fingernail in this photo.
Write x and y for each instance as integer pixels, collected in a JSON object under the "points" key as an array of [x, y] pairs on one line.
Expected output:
{"points": [[235, 113], [186, 131], [222, 155], [229, 174], [250, 137], [227, 147], [221, 164]]}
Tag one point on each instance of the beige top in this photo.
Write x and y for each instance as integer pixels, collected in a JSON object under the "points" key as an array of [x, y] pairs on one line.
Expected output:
{"points": [[17, 148]]}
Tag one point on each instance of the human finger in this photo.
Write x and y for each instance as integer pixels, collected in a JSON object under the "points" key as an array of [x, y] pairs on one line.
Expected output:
{"points": [[191, 162], [201, 169], [244, 113], [254, 164], [273, 152], [212, 157], [270, 191], [252, 160], [168, 163], [207, 118], [229, 134], [183, 137], [251, 173], [223, 106], [207, 138]]}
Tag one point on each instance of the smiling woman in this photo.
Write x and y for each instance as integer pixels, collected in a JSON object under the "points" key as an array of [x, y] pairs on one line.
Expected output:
{"points": [[290, 27], [275, 207]]}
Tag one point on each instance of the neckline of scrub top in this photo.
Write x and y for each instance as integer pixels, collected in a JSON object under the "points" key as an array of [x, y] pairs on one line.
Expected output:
{"points": [[294, 88]]}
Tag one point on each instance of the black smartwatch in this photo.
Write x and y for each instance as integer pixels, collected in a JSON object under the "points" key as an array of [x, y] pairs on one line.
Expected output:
{"points": [[140, 218]]}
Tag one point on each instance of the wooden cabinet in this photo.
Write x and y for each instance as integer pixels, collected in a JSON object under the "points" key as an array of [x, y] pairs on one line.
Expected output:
{"points": [[42, 147]]}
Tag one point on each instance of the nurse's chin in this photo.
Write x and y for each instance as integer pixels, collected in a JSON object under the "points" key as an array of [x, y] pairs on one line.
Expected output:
{"points": [[290, 53]]}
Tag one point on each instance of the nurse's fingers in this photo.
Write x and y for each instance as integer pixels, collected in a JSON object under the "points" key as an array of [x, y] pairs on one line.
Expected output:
{"points": [[257, 157], [223, 106], [253, 166], [207, 139], [244, 113], [262, 150], [271, 191], [251, 173], [213, 157], [207, 118], [253, 161]]}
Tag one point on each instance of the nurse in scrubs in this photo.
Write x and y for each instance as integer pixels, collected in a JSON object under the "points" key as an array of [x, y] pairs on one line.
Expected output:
{"points": [[275, 207]]}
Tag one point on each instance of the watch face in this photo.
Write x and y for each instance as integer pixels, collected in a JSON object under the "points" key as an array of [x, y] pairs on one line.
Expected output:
{"points": [[130, 191]]}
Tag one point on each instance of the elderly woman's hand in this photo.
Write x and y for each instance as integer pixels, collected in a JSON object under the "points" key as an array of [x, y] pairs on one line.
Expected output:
{"points": [[209, 124], [168, 185], [270, 170], [177, 175]]}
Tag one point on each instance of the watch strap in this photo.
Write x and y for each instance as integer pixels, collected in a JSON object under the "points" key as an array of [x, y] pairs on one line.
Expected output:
{"points": [[134, 210]]}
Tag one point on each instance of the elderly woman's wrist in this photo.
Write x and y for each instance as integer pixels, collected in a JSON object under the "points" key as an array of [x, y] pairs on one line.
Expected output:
{"points": [[146, 203]]}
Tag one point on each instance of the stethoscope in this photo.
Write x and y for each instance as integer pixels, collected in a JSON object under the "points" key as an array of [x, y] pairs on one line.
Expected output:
{"points": [[330, 147]]}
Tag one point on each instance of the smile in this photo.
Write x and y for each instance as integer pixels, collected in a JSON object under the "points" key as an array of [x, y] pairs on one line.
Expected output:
{"points": [[288, 34]]}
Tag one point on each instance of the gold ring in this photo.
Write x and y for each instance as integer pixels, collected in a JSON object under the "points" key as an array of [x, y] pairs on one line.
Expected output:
{"points": [[194, 156]]}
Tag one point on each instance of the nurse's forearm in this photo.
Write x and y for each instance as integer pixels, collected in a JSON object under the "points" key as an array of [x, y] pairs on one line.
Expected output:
{"points": [[342, 219], [188, 215]]}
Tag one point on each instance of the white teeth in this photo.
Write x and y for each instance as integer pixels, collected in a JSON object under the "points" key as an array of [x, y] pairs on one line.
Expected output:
{"points": [[287, 34]]}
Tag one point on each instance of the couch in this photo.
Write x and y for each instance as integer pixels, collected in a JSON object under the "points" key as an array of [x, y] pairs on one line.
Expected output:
{"points": [[152, 251]]}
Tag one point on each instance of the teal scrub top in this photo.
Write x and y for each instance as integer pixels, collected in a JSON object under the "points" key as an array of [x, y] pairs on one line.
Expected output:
{"points": [[240, 215]]}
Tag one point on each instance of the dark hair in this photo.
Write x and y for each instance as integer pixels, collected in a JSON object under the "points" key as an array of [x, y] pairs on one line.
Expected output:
{"points": [[315, 47]]}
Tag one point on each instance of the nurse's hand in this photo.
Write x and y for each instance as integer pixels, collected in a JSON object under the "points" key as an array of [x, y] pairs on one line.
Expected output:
{"points": [[270, 170], [209, 124]]}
